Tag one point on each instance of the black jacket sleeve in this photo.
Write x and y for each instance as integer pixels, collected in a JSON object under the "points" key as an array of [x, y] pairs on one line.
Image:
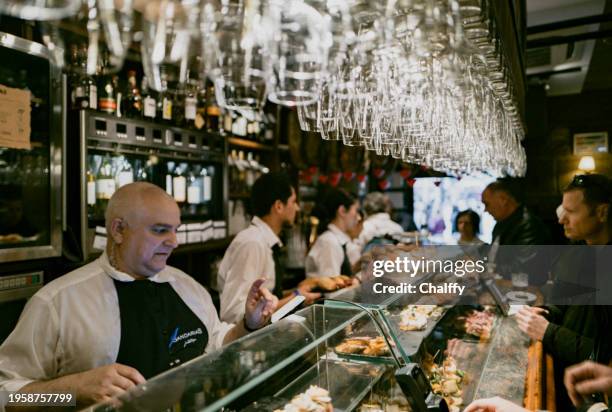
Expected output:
{"points": [[566, 345]]}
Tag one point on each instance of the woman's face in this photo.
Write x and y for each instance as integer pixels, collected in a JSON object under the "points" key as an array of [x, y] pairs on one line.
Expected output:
{"points": [[465, 226], [351, 217]]}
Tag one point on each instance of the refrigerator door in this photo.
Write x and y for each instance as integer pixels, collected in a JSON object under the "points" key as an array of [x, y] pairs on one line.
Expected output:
{"points": [[30, 160]]}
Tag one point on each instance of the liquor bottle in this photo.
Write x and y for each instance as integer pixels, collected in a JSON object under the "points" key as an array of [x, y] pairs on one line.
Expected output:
{"points": [[164, 101], [125, 173], [105, 184], [91, 192], [228, 121], [242, 166], [132, 106], [149, 103], [194, 190], [191, 102], [73, 78], [141, 171], [200, 118], [88, 89], [120, 93], [206, 176], [179, 185], [107, 101], [239, 126], [251, 170], [169, 177], [212, 110], [178, 107]]}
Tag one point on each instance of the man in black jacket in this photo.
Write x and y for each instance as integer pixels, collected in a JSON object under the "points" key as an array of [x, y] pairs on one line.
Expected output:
{"points": [[516, 225], [575, 333]]}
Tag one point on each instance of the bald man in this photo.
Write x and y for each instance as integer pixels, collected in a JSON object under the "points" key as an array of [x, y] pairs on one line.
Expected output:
{"points": [[127, 316]]}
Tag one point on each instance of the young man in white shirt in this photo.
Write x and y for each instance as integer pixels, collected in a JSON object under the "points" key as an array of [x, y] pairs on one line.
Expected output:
{"points": [[109, 325], [254, 252]]}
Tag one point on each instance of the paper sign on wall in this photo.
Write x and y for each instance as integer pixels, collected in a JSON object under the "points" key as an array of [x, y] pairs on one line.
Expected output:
{"points": [[14, 118]]}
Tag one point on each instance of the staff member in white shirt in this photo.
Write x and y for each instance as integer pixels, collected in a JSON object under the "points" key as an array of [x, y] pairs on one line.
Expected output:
{"points": [[377, 224], [338, 214], [254, 253], [111, 324]]}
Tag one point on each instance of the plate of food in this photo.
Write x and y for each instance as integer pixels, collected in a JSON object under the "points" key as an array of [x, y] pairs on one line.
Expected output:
{"points": [[416, 317], [315, 399], [447, 381], [363, 346]]}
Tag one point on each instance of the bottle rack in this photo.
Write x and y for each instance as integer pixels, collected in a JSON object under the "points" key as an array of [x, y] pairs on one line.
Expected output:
{"points": [[107, 132]]}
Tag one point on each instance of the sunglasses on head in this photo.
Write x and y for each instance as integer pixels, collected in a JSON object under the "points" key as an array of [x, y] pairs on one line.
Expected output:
{"points": [[599, 183]]}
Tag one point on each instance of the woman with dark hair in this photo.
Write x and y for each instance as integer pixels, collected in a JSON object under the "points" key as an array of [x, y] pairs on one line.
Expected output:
{"points": [[467, 223], [338, 215]]}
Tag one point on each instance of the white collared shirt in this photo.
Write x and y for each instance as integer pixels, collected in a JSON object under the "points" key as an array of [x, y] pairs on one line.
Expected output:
{"points": [[326, 255], [73, 324], [248, 258]]}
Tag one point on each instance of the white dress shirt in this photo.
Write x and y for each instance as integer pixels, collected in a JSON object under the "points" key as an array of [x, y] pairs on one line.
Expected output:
{"points": [[73, 324], [326, 255], [376, 225], [248, 258]]}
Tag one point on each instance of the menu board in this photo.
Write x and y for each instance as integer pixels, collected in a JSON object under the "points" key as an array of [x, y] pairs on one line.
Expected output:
{"points": [[14, 118]]}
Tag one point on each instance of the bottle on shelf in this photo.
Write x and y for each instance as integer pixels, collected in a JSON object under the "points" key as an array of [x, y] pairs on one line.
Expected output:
{"points": [[178, 107], [212, 110], [251, 170], [179, 184], [239, 126], [228, 121], [169, 177], [141, 174], [105, 184], [206, 175], [191, 102], [107, 100], [194, 189], [132, 106], [200, 118], [120, 94], [242, 167], [149, 106], [164, 101], [87, 84], [125, 173], [91, 192]]}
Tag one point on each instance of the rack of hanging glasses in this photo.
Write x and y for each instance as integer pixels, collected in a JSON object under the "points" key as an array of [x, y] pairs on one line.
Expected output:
{"points": [[426, 81]]}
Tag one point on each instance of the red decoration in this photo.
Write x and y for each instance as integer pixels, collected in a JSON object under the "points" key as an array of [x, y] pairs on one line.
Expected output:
{"points": [[312, 170], [361, 178], [384, 184], [405, 173], [334, 178], [348, 176], [411, 182], [378, 172], [323, 179]]}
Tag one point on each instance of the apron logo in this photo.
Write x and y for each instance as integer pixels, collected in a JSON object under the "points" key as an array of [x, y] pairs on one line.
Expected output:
{"points": [[186, 338]]}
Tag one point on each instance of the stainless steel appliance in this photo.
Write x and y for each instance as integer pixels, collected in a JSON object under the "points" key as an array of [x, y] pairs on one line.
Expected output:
{"points": [[31, 179]]}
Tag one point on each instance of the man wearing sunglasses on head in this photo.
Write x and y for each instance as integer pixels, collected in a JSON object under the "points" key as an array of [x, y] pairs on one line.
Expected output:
{"points": [[569, 333]]}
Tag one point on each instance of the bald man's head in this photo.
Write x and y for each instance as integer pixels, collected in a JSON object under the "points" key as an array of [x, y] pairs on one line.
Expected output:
{"points": [[141, 224], [133, 198]]}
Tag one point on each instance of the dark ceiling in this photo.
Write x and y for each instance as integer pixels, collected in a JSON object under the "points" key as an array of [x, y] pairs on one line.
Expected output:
{"points": [[599, 75]]}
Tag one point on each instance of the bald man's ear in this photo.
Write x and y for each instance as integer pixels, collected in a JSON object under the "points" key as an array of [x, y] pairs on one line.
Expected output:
{"points": [[602, 212], [116, 230]]}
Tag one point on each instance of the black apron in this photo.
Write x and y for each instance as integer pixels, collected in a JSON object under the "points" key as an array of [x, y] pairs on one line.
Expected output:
{"points": [[279, 271], [345, 268], [158, 330]]}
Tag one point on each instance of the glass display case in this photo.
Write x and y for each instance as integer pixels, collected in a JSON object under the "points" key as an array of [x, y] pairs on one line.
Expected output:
{"points": [[348, 358]]}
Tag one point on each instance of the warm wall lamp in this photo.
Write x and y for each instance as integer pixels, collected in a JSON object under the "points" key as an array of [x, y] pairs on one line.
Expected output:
{"points": [[587, 164]]}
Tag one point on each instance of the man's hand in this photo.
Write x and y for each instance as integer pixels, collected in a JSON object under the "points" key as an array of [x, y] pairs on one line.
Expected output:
{"points": [[495, 404], [586, 378], [260, 305], [305, 288], [101, 384], [531, 321]]}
